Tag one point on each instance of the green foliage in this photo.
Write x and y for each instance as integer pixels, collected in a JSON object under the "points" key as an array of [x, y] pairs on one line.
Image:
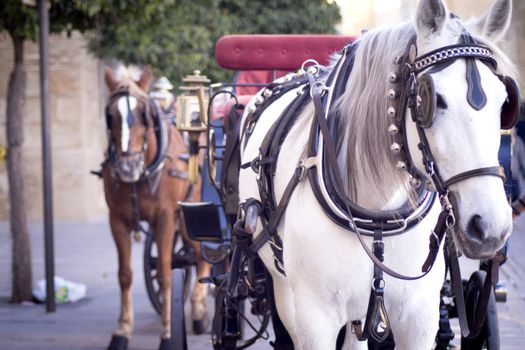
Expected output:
{"points": [[281, 16], [18, 19], [174, 36], [175, 41], [181, 37], [21, 20]]}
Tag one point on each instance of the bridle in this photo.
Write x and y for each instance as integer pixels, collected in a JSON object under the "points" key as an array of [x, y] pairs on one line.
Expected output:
{"points": [[413, 89], [157, 123], [408, 96]]}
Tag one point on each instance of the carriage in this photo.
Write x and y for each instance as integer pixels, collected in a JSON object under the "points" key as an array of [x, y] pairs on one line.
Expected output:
{"points": [[412, 114]]}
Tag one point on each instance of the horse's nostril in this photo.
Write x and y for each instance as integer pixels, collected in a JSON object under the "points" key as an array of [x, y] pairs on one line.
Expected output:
{"points": [[477, 228]]}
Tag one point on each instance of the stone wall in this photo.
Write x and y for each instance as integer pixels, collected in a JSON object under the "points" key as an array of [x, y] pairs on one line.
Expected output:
{"points": [[77, 128]]}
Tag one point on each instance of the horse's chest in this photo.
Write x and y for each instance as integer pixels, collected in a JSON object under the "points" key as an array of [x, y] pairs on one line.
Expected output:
{"points": [[124, 202]]}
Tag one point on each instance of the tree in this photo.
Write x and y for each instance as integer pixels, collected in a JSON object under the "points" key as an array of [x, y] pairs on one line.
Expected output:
{"points": [[182, 38], [21, 23], [281, 16]]}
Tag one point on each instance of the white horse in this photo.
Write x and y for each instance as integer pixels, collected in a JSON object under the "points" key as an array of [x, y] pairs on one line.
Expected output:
{"points": [[328, 275]]}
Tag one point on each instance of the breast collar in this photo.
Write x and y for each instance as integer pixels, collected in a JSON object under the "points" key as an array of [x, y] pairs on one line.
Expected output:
{"points": [[330, 197]]}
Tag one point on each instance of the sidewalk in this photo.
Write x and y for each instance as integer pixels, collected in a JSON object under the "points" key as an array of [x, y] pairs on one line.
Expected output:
{"points": [[85, 253]]}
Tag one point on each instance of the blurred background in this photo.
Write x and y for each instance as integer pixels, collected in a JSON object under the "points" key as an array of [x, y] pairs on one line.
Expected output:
{"points": [[175, 37]]}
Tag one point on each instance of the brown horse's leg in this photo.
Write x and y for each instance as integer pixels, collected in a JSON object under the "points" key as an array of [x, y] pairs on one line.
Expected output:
{"points": [[121, 235], [199, 308], [164, 235]]}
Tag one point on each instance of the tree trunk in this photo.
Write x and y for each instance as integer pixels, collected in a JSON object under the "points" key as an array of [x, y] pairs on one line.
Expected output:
{"points": [[22, 275]]}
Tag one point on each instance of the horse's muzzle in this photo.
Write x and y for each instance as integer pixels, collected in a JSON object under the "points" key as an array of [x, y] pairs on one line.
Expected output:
{"points": [[130, 167]]}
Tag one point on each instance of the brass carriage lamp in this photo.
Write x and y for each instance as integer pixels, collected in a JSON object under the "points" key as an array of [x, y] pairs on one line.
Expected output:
{"points": [[192, 115]]}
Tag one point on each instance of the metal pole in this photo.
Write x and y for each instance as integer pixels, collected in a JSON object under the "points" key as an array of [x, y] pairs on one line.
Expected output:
{"points": [[46, 158]]}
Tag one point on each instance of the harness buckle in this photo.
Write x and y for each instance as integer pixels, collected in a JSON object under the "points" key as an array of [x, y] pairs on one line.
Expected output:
{"points": [[447, 206], [305, 164], [378, 284], [430, 169], [255, 164], [318, 85], [378, 244]]}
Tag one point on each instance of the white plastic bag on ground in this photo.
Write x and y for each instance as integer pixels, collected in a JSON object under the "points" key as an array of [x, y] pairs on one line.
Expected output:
{"points": [[65, 291]]}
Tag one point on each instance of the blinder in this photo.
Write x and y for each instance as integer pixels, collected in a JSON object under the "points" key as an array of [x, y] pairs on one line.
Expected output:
{"points": [[426, 102], [511, 108], [130, 117]]}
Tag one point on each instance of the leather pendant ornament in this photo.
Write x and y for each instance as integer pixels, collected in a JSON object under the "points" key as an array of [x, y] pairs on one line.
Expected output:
{"points": [[379, 325], [476, 97]]}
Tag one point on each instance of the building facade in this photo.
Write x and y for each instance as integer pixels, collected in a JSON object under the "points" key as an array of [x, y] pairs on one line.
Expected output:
{"points": [[77, 129]]}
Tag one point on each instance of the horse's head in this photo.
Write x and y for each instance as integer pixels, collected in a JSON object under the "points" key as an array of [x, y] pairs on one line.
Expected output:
{"points": [[465, 103], [128, 118]]}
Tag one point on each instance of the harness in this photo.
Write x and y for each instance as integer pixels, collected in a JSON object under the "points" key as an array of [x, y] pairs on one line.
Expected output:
{"points": [[152, 172], [412, 89]]}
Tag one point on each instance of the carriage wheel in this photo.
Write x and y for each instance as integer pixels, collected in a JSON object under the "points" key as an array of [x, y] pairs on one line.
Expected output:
{"points": [[150, 269], [220, 337], [488, 337], [178, 323], [229, 323]]}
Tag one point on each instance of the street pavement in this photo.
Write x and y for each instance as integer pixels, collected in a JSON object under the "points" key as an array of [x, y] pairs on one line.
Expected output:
{"points": [[85, 253]]}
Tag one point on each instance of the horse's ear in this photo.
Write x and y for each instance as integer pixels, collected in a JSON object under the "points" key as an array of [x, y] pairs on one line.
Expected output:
{"points": [[145, 78], [431, 17], [110, 79], [495, 22]]}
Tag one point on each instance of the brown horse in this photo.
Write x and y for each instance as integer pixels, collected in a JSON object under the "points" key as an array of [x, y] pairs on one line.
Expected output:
{"points": [[144, 177]]}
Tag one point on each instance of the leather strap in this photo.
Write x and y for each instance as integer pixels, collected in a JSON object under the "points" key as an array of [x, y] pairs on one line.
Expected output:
{"points": [[435, 241], [471, 331], [488, 171], [270, 228]]}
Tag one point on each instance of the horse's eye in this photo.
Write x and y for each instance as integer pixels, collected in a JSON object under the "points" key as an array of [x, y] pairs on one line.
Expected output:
{"points": [[440, 102]]}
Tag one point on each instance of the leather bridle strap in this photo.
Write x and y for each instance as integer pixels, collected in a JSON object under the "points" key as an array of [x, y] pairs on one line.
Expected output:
{"points": [[480, 310], [488, 171]]}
